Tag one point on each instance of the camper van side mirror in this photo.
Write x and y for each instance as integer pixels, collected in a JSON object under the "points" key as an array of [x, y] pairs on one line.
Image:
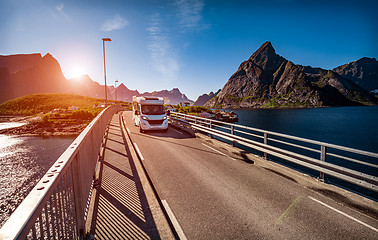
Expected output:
{"points": [[137, 112]]}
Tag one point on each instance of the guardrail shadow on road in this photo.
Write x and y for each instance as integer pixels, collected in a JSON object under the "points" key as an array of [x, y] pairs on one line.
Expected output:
{"points": [[120, 207], [157, 137], [349, 168]]}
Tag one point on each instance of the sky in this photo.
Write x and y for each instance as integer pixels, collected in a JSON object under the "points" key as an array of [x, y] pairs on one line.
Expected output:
{"points": [[193, 45]]}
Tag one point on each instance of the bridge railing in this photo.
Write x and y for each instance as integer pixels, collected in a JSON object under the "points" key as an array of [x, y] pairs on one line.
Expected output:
{"points": [[56, 207], [326, 159]]}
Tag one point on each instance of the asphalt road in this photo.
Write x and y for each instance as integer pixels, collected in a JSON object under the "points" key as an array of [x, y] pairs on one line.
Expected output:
{"points": [[215, 195]]}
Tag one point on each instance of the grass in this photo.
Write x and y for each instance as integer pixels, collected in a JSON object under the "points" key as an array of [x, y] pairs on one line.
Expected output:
{"points": [[43, 103], [55, 106], [192, 109], [271, 104], [56, 112]]}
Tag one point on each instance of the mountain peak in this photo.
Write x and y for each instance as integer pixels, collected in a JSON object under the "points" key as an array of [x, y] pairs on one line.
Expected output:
{"points": [[267, 46], [363, 72], [266, 50], [265, 57], [175, 90], [122, 86], [366, 60], [19, 62]]}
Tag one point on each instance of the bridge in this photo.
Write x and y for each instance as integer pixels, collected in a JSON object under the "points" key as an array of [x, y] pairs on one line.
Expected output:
{"points": [[114, 182]]}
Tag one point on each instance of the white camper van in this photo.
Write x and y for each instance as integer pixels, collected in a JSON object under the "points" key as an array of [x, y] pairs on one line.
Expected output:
{"points": [[149, 113]]}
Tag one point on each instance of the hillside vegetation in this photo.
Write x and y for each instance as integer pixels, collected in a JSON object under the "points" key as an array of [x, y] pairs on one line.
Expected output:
{"points": [[53, 114], [37, 103]]}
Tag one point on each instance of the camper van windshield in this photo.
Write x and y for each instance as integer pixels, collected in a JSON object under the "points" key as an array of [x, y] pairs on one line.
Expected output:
{"points": [[153, 109]]}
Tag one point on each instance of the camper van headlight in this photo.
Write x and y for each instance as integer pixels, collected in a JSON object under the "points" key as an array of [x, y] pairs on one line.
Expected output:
{"points": [[144, 118], [165, 117]]}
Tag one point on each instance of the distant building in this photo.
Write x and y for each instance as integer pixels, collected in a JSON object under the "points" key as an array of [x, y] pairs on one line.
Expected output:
{"points": [[185, 104]]}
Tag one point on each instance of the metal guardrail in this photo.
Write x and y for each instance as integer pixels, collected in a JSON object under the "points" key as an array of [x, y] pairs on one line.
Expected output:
{"points": [[312, 154], [56, 207]]}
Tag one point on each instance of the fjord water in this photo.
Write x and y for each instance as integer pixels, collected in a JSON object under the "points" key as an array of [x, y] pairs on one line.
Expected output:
{"points": [[23, 161], [354, 127]]}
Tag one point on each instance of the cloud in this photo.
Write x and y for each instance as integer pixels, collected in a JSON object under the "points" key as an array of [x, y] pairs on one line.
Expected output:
{"points": [[60, 9], [162, 56], [116, 23], [190, 14]]}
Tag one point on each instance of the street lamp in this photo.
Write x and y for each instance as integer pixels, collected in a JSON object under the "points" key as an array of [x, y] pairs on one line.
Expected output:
{"points": [[116, 88], [103, 47]]}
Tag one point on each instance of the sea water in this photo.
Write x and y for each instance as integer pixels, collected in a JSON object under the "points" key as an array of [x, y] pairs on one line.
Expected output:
{"points": [[23, 161], [354, 127]]}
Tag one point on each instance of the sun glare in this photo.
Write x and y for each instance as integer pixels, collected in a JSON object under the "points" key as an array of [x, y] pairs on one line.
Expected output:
{"points": [[76, 72]]}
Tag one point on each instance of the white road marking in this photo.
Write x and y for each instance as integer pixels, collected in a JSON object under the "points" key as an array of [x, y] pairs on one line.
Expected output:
{"points": [[342, 213], [138, 151], [177, 131], [219, 152], [174, 221], [128, 130]]}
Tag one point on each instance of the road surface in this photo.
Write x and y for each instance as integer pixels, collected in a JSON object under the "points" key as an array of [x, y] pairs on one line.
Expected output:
{"points": [[211, 194]]}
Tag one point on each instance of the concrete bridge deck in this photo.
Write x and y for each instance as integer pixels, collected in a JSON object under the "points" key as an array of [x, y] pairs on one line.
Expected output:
{"points": [[213, 193], [123, 205]]}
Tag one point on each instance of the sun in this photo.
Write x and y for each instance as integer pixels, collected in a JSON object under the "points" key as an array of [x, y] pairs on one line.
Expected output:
{"points": [[76, 71]]}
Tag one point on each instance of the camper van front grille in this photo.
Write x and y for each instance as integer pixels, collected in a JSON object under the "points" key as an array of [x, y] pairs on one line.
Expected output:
{"points": [[156, 121]]}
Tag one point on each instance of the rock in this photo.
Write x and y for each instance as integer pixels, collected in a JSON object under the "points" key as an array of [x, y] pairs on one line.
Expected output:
{"points": [[201, 100], [363, 72], [173, 96], [268, 80]]}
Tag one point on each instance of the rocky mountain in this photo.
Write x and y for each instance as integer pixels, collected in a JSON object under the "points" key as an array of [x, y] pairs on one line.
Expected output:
{"points": [[201, 100], [122, 93], [26, 74], [173, 96], [85, 86], [12, 64], [268, 80], [19, 62], [45, 76], [363, 72]]}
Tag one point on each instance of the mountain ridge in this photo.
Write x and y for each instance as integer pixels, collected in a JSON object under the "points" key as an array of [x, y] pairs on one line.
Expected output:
{"points": [[201, 100], [267, 79], [363, 72], [25, 74]]}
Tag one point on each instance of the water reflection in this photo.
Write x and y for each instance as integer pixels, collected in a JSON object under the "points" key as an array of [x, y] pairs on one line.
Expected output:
{"points": [[5, 125], [23, 161]]}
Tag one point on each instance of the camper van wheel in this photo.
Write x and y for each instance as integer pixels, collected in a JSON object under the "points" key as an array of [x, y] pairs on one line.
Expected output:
{"points": [[141, 130]]}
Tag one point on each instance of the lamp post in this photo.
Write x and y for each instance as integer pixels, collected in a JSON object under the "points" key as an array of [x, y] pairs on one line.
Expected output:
{"points": [[103, 48], [116, 88]]}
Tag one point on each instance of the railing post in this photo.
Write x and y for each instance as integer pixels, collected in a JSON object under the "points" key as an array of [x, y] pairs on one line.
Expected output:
{"points": [[232, 132], [78, 196], [323, 157], [211, 126], [266, 143]]}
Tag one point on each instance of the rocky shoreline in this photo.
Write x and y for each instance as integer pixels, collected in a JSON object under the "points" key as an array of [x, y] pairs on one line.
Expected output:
{"points": [[34, 126]]}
